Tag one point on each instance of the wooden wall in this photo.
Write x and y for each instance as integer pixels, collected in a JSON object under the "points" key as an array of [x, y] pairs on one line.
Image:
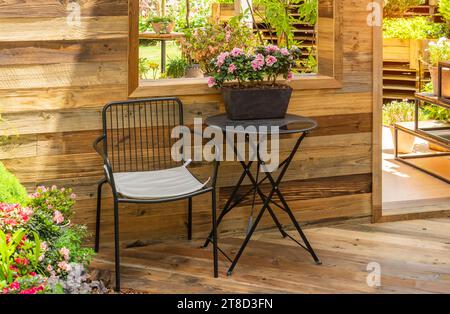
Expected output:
{"points": [[54, 80]]}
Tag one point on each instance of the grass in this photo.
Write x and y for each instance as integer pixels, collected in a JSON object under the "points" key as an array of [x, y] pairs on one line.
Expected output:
{"points": [[153, 53]]}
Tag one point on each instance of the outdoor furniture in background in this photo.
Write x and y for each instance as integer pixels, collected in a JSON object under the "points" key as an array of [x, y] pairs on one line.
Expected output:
{"points": [[163, 38], [436, 132], [136, 150], [291, 124]]}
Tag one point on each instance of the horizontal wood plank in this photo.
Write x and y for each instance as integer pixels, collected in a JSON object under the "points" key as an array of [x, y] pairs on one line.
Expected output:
{"points": [[48, 29]]}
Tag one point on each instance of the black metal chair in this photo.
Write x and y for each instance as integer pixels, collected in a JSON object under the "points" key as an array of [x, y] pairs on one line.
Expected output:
{"points": [[137, 162]]}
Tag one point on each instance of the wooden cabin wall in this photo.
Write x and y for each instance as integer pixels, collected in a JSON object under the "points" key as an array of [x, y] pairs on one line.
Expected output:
{"points": [[55, 78]]}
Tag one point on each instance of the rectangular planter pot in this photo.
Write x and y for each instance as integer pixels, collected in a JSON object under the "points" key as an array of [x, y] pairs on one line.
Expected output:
{"points": [[445, 81], [256, 103]]}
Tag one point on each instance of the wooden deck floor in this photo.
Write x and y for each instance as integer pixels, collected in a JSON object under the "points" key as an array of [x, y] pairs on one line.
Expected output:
{"points": [[414, 257]]}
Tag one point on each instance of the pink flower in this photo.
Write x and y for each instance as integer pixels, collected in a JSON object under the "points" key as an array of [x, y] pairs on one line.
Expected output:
{"points": [[58, 217], [258, 62], [221, 58], [42, 189], [211, 81], [289, 76], [73, 196], [272, 48], [231, 68], [227, 36], [49, 267], [14, 285], [54, 187], [21, 261], [270, 60], [236, 52], [65, 253], [284, 51], [44, 246], [64, 266], [29, 291]]}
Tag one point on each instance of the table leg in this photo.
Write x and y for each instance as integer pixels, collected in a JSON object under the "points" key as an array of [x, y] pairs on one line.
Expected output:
{"points": [[275, 189], [163, 56]]}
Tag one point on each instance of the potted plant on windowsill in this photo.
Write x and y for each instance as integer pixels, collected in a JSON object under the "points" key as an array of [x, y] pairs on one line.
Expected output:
{"points": [[162, 24], [437, 52], [249, 81]]}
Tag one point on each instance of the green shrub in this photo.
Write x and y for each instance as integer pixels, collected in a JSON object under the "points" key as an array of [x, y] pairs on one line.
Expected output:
{"points": [[399, 111], [444, 9], [413, 28], [11, 191], [176, 67], [396, 8]]}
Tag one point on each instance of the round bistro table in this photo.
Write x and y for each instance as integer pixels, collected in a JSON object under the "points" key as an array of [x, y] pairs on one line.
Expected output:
{"points": [[290, 124]]}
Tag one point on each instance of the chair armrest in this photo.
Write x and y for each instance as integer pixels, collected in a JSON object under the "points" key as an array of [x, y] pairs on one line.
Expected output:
{"points": [[100, 149]]}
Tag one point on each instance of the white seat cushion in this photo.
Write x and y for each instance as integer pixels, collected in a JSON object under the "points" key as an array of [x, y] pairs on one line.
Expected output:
{"points": [[157, 184]]}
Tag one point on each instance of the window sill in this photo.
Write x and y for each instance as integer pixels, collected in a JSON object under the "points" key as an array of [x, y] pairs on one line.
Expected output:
{"points": [[198, 86]]}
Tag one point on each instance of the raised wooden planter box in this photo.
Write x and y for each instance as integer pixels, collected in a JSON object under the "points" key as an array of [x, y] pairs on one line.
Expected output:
{"points": [[404, 50]]}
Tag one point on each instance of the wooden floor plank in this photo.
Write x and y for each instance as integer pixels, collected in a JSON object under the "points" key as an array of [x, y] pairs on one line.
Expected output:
{"points": [[413, 256]]}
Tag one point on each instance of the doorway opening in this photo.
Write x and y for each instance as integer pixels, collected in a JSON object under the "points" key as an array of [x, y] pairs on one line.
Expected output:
{"points": [[415, 126]]}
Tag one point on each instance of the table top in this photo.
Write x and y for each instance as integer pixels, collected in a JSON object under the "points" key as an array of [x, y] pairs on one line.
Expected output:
{"points": [[156, 36], [432, 99], [289, 124]]}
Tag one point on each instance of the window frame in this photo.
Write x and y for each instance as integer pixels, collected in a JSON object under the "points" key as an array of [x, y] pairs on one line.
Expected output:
{"points": [[329, 57]]}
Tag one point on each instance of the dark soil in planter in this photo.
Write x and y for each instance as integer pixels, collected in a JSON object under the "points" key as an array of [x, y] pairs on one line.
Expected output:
{"points": [[258, 102]]}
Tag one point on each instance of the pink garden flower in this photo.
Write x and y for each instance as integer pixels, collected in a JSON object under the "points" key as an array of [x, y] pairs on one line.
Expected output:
{"points": [[64, 266], [58, 217], [289, 76], [258, 62], [271, 60], [284, 51], [49, 267], [221, 58], [228, 36], [272, 48], [236, 52], [65, 253], [73, 196], [232, 68], [14, 285], [211, 82]]}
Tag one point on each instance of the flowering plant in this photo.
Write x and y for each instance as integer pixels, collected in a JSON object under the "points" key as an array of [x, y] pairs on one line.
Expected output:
{"points": [[267, 63], [13, 216], [36, 245], [439, 51], [205, 43], [20, 260]]}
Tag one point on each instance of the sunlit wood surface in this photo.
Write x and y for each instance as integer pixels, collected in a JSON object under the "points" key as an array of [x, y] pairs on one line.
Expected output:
{"points": [[413, 255]]}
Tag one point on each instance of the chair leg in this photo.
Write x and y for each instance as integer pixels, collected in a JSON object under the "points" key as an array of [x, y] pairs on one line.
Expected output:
{"points": [[189, 222], [214, 227], [116, 244], [97, 220]]}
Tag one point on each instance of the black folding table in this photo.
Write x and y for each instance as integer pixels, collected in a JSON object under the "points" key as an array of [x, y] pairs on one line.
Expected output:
{"points": [[291, 124]]}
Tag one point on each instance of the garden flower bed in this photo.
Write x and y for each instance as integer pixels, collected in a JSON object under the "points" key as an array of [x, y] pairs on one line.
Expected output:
{"points": [[41, 250]]}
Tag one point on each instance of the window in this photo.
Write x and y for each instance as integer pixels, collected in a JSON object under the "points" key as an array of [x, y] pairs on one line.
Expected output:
{"points": [[173, 41]]}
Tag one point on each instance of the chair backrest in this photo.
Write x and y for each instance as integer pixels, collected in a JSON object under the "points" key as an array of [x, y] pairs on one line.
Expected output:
{"points": [[138, 133]]}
